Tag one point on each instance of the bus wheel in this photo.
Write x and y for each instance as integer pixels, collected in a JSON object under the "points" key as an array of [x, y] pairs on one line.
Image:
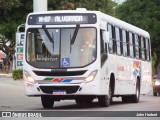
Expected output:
{"points": [[47, 101], [155, 93], [135, 98], [125, 99], [105, 100], [132, 98]]}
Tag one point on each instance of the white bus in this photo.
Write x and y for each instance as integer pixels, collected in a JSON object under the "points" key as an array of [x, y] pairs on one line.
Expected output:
{"points": [[84, 55]]}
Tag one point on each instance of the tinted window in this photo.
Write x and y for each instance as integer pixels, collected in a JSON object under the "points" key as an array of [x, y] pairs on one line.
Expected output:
{"points": [[111, 40], [118, 42], [131, 44], [136, 37], [124, 40]]}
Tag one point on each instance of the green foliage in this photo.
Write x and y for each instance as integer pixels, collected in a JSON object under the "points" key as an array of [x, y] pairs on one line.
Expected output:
{"points": [[17, 74], [146, 15], [13, 13], [106, 6]]}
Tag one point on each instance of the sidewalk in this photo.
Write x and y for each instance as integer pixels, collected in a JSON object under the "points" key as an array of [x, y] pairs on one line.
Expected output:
{"points": [[6, 75]]}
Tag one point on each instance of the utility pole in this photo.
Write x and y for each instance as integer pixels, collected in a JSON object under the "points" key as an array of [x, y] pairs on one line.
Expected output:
{"points": [[40, 5]]}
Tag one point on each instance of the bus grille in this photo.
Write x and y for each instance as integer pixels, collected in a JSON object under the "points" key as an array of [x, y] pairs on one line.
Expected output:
{"points": [[59, 73], [68, 89]]}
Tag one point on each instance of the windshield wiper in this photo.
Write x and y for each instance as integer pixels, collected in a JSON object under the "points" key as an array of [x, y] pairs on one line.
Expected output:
{"points": [[47, 33], [51, 38], [74, 36]]}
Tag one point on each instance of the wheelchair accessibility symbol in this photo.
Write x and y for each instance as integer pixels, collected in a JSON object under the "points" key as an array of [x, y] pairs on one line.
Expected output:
{"points": [[65, 62]]}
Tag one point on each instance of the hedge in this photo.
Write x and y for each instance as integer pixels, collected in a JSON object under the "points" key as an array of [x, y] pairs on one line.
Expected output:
{"points": [[17, 74]]}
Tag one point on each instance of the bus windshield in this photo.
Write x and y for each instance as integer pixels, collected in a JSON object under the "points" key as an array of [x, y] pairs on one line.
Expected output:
{"points": [[53, 48]]}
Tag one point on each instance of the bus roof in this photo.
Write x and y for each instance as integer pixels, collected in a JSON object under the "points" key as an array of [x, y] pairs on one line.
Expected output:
{"points": [[105, 17], [124, 25]]}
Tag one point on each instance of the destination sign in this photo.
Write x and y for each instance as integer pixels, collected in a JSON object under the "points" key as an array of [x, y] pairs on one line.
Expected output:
{"points": [[58, 19]]}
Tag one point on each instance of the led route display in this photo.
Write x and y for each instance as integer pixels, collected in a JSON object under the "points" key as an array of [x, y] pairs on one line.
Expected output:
{"points": [[58, 19]]}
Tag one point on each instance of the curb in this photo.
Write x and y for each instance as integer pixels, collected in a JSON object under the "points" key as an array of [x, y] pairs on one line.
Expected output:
{"points": [[6, 75]]}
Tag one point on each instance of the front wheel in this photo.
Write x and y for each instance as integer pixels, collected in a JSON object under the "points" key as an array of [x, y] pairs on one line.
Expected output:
{"points": [[47, 101], [104, 101]]}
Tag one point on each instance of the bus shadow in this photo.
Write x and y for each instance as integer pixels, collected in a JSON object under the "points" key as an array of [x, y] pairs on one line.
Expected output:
{"points": [[91, 106], [60, 106]]}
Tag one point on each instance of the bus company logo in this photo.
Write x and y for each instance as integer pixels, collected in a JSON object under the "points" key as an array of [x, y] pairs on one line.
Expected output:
{"points": [[6, 114], [57, 79], [137, 69], [120, 68]]}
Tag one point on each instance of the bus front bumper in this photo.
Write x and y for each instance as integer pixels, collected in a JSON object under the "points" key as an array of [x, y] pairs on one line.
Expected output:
{"points": [[61, 89]]}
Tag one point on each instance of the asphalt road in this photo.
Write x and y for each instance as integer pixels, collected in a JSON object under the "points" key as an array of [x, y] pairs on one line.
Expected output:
{"points": [[12, 98]]}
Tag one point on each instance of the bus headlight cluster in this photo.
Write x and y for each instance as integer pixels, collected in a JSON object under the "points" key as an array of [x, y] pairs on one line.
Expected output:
{"points": [[157, 83], [29, 77], [91, 76]]}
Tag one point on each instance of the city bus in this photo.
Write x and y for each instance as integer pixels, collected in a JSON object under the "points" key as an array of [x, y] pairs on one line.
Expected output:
{"points": [[84, 55]]}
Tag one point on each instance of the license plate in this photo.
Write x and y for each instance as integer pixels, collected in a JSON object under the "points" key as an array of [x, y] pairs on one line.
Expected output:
{"points": [[59, 92]]}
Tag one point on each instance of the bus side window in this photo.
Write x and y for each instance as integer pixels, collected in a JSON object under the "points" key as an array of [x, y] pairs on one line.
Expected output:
{"points": [[142, 49], [124, 40], [102, 41], [103, 48], [111, 39], [147, 50], [136, 37], [131, 44], [118, 41]]}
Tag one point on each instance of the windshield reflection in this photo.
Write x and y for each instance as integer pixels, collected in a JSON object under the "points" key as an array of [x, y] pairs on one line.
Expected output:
{"points": [[44, 53]]}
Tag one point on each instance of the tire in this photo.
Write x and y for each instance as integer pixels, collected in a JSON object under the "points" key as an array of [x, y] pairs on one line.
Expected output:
{"points": [[126, 99], [132, 98], [154, 93], [105, 100], [47, 101], [135, 98]]}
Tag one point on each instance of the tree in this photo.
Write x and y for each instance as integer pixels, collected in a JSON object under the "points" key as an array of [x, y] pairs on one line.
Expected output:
{"points": [[146, 15], [13, 13], [8, 48], [106, 6]]}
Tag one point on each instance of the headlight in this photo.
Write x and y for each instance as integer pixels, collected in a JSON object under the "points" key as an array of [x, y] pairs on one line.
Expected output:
{"points": [[91, 76], [157, 83], [30, 79]]}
